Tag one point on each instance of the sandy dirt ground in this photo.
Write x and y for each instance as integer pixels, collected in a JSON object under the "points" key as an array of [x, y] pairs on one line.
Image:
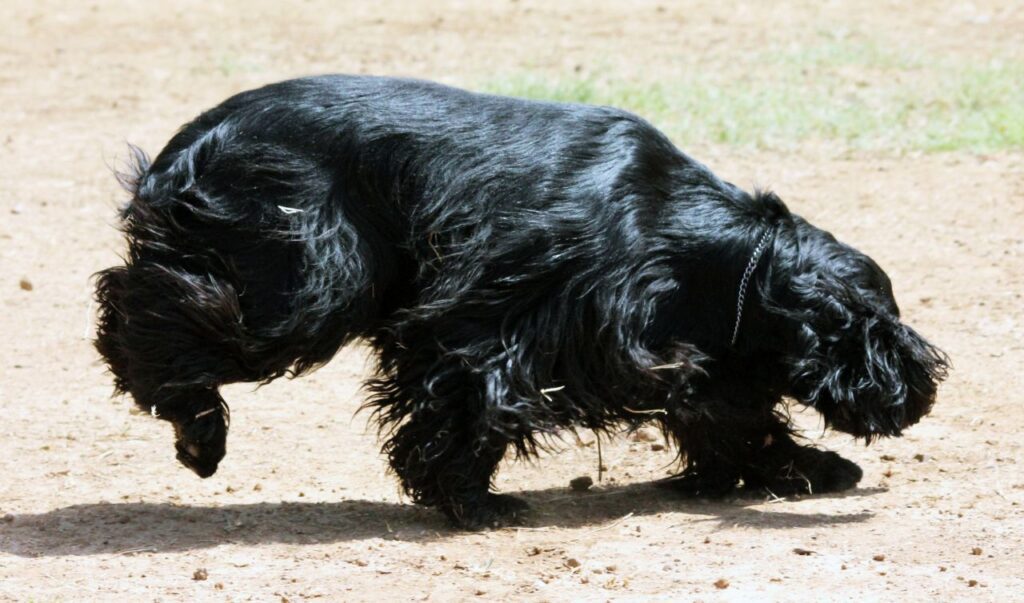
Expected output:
{"points": [[94, 506]]}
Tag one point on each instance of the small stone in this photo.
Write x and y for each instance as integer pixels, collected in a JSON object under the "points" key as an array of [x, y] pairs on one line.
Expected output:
{"points": [[976, 550], [657, 447], [581, 484], [887, 457], [25, 284], [645, 434], [804, 552], [972, 583], [200, 574], [572, 563], [919, 457], [721, 583], [879, 557]]}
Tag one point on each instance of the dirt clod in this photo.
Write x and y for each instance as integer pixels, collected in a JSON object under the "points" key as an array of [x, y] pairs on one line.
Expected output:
{"points": [[200, 574]]}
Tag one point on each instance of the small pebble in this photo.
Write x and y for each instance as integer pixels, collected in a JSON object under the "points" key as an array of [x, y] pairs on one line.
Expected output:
{"points": [[25, 284], [879, 557], [657, 447], [200, 574], [721, 583], [581, 484], [572, 563], [976, 550]]}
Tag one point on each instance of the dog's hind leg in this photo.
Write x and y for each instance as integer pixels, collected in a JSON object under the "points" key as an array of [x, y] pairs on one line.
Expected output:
{"points": [[444, 443], [169, 337], [443, 461]]}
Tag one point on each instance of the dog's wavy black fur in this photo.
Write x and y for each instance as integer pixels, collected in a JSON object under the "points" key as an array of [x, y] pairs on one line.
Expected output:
{"points": [[519, 268]]}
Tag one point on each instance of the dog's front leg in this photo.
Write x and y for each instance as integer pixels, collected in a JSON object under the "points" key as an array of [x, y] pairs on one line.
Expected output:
{"points": [[783, 467], [725, 443]]}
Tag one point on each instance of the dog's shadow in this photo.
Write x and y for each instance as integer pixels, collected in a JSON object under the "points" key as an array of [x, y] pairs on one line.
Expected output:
{"points": [[130, 528]]}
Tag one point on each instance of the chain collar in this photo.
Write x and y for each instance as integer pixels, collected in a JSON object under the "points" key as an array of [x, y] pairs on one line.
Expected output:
{"points": [[741, 296]]}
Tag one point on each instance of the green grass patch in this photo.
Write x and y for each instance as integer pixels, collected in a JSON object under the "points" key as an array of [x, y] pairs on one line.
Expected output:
{"points": [[853, 93]]}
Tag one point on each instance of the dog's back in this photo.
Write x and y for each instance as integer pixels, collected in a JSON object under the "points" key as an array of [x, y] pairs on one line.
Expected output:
{"points": [[371, 183]]}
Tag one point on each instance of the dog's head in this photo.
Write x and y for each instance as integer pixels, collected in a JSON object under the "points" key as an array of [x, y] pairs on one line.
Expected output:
{"points": [[846, 352]]}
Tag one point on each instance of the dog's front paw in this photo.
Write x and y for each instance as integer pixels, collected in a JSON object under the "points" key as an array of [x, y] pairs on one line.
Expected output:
{"points": [[808, 471], [493, 511], [202, 441]]}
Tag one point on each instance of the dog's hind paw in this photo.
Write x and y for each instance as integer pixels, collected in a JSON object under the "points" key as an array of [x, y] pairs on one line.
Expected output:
{"points": [[201, 442], [494, 511]]}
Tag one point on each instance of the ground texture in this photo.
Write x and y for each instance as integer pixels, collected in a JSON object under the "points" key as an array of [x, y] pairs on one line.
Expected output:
{"points": [[94, 505]]}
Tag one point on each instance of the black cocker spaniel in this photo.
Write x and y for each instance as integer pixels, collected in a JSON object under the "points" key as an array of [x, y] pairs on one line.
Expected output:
{"points": [[519, 268]]}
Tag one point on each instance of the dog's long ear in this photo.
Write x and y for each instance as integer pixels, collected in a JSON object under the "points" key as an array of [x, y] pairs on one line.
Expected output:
{"points": [[865, 371]]}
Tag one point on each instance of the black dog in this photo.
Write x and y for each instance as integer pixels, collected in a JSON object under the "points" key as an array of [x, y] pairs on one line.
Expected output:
{"points": [[519, 267]]}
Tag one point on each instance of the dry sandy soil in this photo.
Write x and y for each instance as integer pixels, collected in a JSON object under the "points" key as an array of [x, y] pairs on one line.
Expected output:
{"points": [[95, 507]]}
